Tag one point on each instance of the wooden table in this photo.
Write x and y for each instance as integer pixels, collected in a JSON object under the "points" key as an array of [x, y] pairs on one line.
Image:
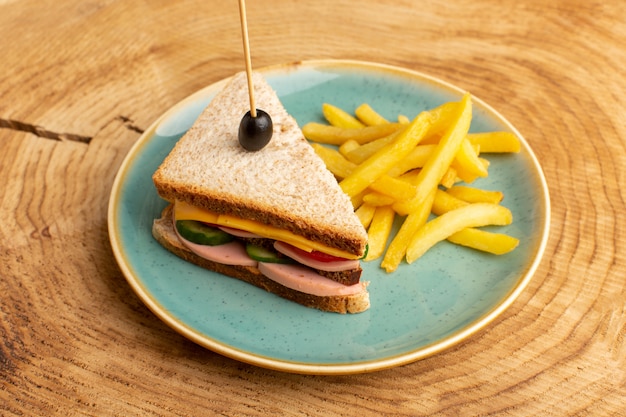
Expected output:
{"points": [[80, 81]]}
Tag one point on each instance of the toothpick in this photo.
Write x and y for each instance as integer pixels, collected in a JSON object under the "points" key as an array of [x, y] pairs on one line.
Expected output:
{"points": [[246, 52]]}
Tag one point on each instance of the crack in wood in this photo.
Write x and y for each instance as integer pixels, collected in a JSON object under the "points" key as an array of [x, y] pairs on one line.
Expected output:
{"points": [[130, 124], [47, 134], [41, 132]]}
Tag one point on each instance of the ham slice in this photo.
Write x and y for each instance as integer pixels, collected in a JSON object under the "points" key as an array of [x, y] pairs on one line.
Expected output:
{"points": [[303, 279], [333, 266], [296, 277]]}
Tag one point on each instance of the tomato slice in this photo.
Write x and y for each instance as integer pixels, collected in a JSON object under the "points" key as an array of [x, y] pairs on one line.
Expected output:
{"points": [[316, 255]]}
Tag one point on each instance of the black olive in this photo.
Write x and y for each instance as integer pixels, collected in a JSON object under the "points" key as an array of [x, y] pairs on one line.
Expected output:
{"points": [[255, 132]]}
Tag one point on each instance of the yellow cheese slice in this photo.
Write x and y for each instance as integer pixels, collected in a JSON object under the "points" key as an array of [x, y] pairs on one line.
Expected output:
{"points": [[185, 211]]}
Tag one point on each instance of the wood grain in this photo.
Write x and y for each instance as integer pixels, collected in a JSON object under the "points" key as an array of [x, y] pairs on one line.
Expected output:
{"points": [[76, 341]]}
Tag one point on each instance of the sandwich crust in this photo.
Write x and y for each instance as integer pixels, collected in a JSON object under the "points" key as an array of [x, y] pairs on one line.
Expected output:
{"points": [[163, 232], [285, 185]]}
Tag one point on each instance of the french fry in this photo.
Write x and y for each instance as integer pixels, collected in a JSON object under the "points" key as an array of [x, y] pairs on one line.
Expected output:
{"points": [[333, 135], [409, 178], [397, 248], [475, 195], [365, 213], [340, 118], [465, 175], [461, 174], [444, 202], [467, 164], [440, 159], [377, 199], [437, 116], [348, 146], [407, 206], [357, 200], [334, 161], [360, 154], [415, 159], [440, 228], [495, 243], [379, 231], [403, 119], [367, 115], [437, 167], [443, 117], [341, 168], [495, 142], [431, 139], [379, 163], [449, 178], [394, 188]]}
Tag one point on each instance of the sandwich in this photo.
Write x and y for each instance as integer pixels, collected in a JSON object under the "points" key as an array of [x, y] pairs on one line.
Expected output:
{"points": [[275, 218]]}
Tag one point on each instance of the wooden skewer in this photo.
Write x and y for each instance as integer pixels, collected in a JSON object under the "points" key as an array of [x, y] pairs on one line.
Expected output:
{"points": [[246, 51]]}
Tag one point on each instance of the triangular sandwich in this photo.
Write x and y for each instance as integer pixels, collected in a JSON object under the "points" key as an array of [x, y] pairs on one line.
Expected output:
{"points": [[275, 218]]}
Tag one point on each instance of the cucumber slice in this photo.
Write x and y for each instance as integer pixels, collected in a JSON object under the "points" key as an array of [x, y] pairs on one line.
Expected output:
{"points": [[367, 249], [262, 254], [202, 234]]}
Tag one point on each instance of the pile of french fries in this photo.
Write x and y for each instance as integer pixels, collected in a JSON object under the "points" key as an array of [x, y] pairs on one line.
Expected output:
{"points": [[410, 169]]}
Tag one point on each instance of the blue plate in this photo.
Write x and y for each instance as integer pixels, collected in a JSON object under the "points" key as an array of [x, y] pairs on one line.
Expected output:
{"points": [[421, 309]]}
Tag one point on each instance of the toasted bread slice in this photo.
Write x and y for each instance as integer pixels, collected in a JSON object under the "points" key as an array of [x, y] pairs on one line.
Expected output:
{"points": [[163, 232], [285, 184]]}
